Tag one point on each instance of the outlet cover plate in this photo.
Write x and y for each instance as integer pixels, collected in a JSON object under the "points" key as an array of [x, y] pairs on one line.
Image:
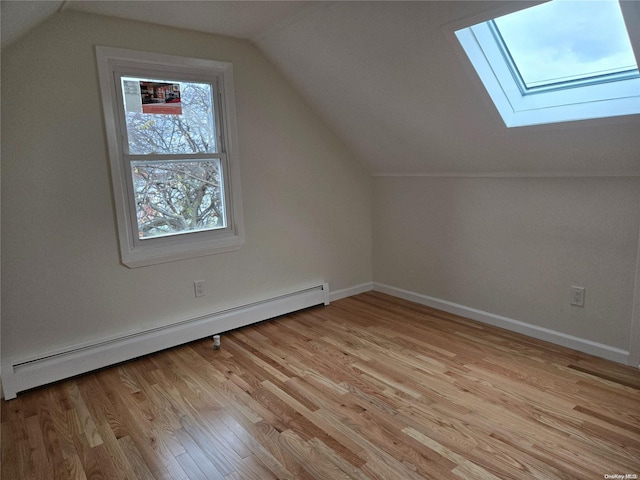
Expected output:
{"points": [[199, 288], [577, 296]]}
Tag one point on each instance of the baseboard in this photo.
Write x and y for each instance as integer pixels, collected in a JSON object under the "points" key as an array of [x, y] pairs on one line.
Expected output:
{"points": [[20, 375], [348, 292], [582, 345]]}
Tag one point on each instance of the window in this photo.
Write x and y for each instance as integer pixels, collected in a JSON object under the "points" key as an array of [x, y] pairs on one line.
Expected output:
{"points": [[558, 61], [170, 126]]}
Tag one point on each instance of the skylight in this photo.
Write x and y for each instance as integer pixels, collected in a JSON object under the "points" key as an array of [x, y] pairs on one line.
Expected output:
{"points": [[559, 61], [559, 41]]}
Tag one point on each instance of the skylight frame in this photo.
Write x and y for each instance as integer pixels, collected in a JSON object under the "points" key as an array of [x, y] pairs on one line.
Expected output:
{"points": [[555, 85], [577, 46], [519, 105]]}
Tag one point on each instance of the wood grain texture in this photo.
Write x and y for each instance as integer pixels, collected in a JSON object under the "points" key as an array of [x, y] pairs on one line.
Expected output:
{"points": [[369, 387]]}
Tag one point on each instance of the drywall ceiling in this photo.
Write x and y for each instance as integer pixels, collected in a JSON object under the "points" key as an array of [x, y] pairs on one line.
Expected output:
{"points": [[244, 19], [389, 80], [17, 17]]}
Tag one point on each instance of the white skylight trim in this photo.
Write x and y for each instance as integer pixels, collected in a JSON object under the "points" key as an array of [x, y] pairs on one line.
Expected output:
{"points": [[593, 97]]}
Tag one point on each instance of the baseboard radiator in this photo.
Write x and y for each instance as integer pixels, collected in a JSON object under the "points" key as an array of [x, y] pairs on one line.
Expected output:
{"points": [[22, 375]]}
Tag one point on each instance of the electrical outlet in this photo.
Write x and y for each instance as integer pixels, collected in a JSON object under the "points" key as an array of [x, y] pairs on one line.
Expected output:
{"points": [[198, 286], [577, 296]]}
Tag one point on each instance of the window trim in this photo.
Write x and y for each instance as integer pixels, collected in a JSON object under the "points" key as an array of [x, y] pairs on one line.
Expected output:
{"points": [[541, 105], [113, 62]]}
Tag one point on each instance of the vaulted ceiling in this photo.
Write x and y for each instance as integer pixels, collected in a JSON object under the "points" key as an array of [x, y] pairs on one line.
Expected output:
{"points": [[389, 80]]}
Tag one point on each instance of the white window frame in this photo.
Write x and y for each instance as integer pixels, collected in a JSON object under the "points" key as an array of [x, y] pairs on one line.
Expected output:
{"points": [[521, 107], [114, 63]]}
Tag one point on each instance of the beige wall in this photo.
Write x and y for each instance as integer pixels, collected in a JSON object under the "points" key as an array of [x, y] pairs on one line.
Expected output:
{"points": [[306, 199], [514, 247]]}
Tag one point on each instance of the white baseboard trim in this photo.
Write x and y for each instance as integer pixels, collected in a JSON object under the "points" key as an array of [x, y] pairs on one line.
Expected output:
{"points": [[23, 374], [582, 345], [348, 292]]}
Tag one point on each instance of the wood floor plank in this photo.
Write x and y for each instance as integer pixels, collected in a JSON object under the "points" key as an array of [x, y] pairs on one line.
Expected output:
{"points": [[86, 419], [320, 433], [41, 466], [135, 460], [252, 435], [464, 467], [189, 466], [369, 387], [252, 469], [197, 456], [9, 450]]}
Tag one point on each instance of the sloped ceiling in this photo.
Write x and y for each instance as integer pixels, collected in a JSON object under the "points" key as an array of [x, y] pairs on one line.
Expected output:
{"points": [[389, 81], [243, 19], [19, 17]]}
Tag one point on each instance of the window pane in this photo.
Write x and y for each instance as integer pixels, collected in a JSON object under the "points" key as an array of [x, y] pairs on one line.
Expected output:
{"points": [[178, 197], [563, 40], [163, 116]]}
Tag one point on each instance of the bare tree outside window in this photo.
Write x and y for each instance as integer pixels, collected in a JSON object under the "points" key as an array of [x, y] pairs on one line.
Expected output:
{"points": [[176, 196]]}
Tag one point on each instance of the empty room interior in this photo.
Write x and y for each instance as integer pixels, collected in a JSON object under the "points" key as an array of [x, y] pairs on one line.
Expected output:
{"points": [[320, 240]]}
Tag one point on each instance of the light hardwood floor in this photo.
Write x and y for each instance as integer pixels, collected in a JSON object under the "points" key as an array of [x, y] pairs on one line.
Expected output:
{"points": [[370, 387]]}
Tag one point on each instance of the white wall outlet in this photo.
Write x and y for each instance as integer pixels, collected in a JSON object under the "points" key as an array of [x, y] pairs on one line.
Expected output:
{"points": [[577, 296], [199, 288]]}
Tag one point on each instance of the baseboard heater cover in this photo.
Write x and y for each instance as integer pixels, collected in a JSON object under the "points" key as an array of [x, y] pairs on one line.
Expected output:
{"points": [[22, 375]]}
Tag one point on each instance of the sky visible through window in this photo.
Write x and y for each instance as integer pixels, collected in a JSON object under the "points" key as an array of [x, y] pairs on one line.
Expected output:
{"points": [[566, 40]]}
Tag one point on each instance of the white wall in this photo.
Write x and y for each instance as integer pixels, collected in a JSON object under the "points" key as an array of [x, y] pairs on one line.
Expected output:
{"points": [[306, 199], [514, 246]]}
